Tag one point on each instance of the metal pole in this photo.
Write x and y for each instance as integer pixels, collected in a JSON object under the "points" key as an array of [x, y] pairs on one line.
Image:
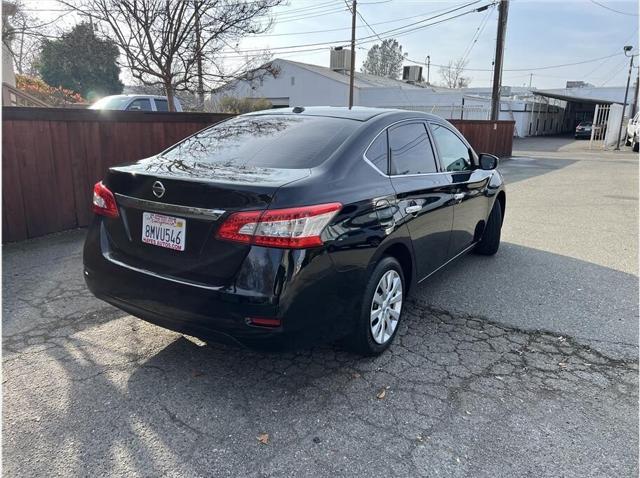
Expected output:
{"points": [[497, 70], [428, 68], [530, 79], [634, 105], [624, 105], [353, 53]]}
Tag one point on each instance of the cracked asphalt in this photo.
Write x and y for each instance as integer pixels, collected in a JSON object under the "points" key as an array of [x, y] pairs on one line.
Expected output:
{"points": [[475, 384]]}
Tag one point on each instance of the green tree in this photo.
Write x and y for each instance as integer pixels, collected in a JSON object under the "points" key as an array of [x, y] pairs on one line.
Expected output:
{"points": [[384, 59], [82, 62]]}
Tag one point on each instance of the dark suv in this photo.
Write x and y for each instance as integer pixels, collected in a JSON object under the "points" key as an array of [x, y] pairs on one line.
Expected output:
{"points": [[290, 226]]}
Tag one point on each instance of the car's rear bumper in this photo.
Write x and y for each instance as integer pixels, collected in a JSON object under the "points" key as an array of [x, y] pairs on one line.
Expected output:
{"points": [[313, 301]]}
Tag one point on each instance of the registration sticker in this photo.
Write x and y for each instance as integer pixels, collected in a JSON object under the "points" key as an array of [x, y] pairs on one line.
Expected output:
{"points": [[164, 231]]}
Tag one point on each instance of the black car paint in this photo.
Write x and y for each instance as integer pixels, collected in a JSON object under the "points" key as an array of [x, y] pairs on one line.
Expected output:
{"points": [[316, 292]]}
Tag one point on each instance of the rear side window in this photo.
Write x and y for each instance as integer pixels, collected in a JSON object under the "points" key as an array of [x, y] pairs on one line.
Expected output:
{"points": [[377, 153], [161, 105], [269, 141], [411, 151]]}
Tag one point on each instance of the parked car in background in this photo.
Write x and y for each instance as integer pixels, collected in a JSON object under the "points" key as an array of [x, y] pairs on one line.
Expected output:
{"points": [[633, 132], [134, 103], [292, 225], [583, 130]]}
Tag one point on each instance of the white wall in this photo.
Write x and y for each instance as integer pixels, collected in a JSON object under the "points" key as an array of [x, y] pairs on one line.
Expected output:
{"points": [[308, 88]]}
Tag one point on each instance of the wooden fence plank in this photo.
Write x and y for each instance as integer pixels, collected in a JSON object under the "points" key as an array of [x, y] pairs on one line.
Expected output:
{"points": [[14, 224]]}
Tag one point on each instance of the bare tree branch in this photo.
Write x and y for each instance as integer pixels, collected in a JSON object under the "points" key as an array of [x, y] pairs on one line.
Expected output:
{"points": [[159, 42]]}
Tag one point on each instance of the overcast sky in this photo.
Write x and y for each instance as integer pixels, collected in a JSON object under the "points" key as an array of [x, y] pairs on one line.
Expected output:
{"points": [[540, 33]]}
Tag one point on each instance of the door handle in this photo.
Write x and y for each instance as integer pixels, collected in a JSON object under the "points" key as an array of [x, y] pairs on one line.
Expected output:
{"points": [[458, 197], [412, 209]]}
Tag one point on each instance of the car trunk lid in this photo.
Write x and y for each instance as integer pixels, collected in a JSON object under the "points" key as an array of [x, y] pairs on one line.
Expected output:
{"points": [[200, 196]]}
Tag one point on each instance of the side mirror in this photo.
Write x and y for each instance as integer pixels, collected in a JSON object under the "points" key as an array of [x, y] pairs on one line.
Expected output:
{"points": [[488, 161]]}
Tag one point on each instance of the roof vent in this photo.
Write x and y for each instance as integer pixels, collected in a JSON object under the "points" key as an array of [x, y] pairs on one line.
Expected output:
{"points": [[412, 74], [340, 59]]}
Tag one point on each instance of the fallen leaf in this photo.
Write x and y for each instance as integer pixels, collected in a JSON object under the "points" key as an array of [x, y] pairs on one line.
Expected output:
{"points": [[562, 365], [561, 339], [355, 375], [263, 438], [382, 393]]}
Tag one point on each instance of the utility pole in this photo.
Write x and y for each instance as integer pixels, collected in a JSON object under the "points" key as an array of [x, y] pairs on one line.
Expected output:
{"points": [[530, 79], [352, 73], [428, 68], [503, 11], [200, 88], [634, 105], [626, 94]]}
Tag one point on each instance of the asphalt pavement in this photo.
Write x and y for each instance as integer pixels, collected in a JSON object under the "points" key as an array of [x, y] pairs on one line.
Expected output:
{"points": [[523, 364]]}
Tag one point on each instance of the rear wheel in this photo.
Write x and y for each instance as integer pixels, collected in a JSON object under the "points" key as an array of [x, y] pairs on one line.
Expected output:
{"points": [[490, 241], [636, 144], [381, 309]]}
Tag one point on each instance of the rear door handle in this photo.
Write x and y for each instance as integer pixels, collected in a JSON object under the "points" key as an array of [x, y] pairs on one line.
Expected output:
{"points": [[412, 209]]}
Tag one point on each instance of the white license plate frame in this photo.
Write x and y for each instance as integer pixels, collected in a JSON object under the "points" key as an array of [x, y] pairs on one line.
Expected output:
{"points": [[160, 230]]}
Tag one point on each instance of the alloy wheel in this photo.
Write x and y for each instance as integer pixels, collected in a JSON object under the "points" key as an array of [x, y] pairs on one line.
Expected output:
{"points": [[386, 306]]}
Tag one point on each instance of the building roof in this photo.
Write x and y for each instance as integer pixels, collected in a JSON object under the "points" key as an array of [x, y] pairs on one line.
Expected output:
{"points": [[362, 80], [603, 95]]}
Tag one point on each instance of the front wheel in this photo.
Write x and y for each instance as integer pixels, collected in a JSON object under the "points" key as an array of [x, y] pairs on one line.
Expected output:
{"points": [[490, 241], [381, 309]]}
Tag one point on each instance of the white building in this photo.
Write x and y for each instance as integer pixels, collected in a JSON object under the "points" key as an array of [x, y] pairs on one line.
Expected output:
{"points": [[302, 84]]}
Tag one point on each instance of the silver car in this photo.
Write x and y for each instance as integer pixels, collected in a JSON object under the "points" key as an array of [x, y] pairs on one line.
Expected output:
{"points": [[135, 103]]}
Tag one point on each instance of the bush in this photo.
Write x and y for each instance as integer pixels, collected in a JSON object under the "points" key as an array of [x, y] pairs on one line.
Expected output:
{"points": [[231, 104], [55, 96]]}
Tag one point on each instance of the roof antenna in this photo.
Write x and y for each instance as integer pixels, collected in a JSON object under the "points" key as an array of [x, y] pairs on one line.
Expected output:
{"points": [[298, 109]]}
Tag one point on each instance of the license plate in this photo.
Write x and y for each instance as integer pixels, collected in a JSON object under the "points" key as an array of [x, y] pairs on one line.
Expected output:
{"points": [[164, 231]]}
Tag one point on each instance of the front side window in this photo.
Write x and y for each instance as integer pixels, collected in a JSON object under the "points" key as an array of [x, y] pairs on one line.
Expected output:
{"points": [[377, 153], [454, 154], [141, 104], [411, 151]]}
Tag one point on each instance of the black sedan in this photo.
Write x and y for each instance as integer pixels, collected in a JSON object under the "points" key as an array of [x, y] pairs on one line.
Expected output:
{"points": [[292, 226]]}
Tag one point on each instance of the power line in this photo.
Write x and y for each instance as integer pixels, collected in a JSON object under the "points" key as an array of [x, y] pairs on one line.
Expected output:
{"points": [[613, 9], [348, 28], [394, 32], [476, 37], [550, 67]]}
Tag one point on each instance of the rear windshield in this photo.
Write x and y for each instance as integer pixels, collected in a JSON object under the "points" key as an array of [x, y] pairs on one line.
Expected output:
{"points": [[273, 141]]}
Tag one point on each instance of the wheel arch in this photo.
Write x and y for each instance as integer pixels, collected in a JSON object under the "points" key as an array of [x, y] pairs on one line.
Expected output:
{"points": [[403, 253]]}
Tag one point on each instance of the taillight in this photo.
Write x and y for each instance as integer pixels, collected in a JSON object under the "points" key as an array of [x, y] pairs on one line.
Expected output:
{"points": [[291, 228], [103, 201]]}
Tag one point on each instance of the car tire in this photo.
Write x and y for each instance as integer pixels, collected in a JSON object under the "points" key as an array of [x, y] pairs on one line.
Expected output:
{"points": [[490, 241], [364, 340], [636, 145]]}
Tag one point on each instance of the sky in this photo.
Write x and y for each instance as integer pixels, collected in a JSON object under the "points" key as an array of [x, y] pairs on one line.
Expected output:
{"points": [[540, 34]]}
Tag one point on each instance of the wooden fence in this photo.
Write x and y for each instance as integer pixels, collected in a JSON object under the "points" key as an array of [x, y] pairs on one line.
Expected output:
{"points": [[495, 137], [52, 157]]}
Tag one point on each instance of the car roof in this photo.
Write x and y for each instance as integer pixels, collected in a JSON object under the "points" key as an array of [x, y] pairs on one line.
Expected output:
{"points": [[357, 113]]}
